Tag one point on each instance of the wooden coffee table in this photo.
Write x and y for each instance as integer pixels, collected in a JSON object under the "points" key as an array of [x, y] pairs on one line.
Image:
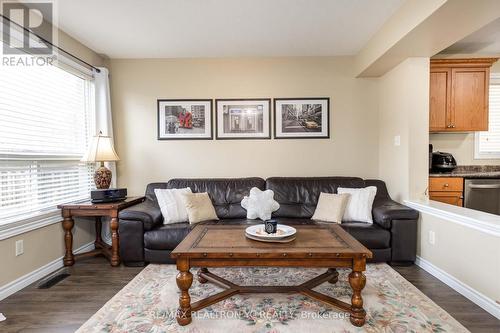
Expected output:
{"points": [[215, 245]]}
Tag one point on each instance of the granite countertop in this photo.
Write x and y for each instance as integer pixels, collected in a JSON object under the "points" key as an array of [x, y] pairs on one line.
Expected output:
{"points": [[471, 171]]}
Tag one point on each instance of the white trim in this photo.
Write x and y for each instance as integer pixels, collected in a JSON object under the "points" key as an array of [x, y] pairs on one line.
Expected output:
{"points": [[473, 295], [31, 223], [484, 222], [27, 279], [20, 227]]}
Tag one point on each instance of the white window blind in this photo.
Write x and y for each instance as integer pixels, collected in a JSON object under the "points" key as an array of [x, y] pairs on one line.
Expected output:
{"points": [[487, 144], [46, 122]]}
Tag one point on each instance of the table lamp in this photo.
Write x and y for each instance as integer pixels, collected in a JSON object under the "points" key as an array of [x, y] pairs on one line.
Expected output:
{"points": [[101, 150]]}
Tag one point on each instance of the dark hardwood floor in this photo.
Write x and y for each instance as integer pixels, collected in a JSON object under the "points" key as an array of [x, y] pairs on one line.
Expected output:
{"points": [[67, 305]]}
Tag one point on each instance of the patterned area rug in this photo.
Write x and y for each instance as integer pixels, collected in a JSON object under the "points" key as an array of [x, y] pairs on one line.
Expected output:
{"points": [[149, 302]]}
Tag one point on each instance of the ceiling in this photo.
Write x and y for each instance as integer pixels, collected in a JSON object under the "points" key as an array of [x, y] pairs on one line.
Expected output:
{"points": [[223, 28], [485, 41]]}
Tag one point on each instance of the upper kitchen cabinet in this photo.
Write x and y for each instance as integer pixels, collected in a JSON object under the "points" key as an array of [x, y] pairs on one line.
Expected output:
{"points": [[459, 94]]}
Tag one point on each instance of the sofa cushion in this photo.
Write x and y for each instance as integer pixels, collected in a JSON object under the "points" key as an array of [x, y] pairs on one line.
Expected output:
{"points": [[226, 193], [371, 236], [298, 196], [166, 237]]}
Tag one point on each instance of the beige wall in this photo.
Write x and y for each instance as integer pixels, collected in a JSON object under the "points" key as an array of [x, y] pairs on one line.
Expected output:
{"points": [[44, 245], [404, 112], [461, 145], [469, 255], [136, 85], [41, 246]]}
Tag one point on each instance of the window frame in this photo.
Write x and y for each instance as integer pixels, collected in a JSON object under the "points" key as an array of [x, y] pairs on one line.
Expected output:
{"points": [[47, 217], [479, 155]]}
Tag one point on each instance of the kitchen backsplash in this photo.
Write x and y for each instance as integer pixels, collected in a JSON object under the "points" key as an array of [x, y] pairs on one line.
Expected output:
{"points": [[461, 146]]}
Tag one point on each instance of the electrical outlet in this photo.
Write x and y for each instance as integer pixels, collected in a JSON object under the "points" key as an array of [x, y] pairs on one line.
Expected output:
{"points": [[432, 237], [19, 247], [397, 140]]}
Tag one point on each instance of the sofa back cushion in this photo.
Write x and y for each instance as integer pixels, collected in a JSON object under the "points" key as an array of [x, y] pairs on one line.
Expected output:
{"points": [[226, 193], [298, 196]]}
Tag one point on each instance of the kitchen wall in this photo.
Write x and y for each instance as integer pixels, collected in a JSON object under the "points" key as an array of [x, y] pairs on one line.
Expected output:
{"points": [[136, 84], [461, 145], [44, 245]]}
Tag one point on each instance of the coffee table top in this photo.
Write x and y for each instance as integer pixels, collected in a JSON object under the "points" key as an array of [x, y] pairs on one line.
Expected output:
{"points": [[229, 241]]}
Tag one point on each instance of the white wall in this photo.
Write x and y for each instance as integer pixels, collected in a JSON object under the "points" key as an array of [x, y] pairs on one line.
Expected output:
{"points": [[404, 112], [468, 255], [352, 149]]}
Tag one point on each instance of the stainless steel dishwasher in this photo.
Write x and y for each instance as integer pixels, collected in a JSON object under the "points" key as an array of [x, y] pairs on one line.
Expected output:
{"points": [[483, 195]]}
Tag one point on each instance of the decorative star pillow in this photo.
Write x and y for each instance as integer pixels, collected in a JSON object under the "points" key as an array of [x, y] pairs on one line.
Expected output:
{"points": [[260, 204]]}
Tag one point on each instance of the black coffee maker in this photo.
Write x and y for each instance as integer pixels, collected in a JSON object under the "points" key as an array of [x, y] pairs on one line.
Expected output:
{"points": [[443, 162]]}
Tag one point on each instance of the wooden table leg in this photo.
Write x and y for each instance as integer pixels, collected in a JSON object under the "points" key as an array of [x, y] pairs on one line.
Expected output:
{"points": [[184, 281], [98, 230], [357, 280], [115, 242], [201, 279], [68, 223], [335, 277]]}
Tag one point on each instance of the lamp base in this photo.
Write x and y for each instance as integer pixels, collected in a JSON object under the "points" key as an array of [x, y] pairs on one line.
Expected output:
{"points": [[102, 177]]}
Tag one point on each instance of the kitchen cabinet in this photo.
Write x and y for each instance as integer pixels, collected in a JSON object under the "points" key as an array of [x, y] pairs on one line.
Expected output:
{"points": [[459, 94], [449, 190]]}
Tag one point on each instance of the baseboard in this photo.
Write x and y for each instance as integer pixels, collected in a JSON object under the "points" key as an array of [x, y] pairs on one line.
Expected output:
{"points": [[473, 295], [25, 280]]}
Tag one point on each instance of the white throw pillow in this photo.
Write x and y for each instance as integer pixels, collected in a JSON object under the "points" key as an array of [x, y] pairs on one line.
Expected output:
{"points": [[260, 204], [359, 204], [330, 207], [172, 204]]}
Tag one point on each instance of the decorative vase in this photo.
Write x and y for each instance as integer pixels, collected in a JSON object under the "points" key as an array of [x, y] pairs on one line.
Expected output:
{"points": [[102, 177]]}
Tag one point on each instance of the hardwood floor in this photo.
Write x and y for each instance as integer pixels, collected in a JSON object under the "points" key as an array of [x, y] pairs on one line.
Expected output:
{"points": [[67, 305], [467, 313]]}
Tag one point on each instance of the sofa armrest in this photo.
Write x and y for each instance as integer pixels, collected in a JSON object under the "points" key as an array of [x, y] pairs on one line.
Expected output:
{"points": [[148, 212], [387, 210]]}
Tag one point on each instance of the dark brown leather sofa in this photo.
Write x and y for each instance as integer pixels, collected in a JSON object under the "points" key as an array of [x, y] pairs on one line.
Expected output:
{"points": [[144, 238]]}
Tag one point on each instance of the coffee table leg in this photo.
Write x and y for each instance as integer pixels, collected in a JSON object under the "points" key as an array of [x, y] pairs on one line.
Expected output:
{"points": [[184, 281], [200, 278], [335, 276], [357, 280]]}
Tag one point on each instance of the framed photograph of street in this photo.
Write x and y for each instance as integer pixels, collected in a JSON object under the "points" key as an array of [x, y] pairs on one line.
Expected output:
{"points": [[185, 119], [302, 118], [243, 118]]}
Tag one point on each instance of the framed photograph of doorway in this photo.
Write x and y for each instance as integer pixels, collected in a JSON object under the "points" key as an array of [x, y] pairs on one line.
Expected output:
{"points": [[243, 118]]}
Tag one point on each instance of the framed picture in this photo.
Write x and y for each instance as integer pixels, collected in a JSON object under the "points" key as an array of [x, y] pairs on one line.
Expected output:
{"points": [[301, 118], [243, 118], [185, 119]]}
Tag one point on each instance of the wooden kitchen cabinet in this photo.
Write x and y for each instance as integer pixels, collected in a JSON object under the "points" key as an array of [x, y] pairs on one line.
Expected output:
{"points": [[449, 190], [459, 94]]}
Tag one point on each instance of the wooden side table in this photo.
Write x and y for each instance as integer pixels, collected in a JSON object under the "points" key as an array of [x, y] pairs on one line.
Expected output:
{"points": [[88, 208]]}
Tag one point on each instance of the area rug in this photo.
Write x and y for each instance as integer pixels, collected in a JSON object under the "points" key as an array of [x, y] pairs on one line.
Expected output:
{"points": [[149, 302]]}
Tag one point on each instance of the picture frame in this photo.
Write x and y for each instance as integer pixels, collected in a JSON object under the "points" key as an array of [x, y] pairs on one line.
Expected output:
{"points": [[243, 118], [302, 118], [185, 119]]}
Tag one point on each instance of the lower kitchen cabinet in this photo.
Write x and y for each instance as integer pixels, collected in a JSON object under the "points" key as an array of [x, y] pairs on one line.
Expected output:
{"points": [[448, 190]]}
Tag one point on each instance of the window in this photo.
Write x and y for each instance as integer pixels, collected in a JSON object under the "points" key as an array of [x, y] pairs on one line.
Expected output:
{"points": [[487, 144], [46, 122]]}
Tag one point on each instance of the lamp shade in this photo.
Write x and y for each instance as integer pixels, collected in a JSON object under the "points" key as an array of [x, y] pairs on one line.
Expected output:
{"points": [[101, 150]]}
